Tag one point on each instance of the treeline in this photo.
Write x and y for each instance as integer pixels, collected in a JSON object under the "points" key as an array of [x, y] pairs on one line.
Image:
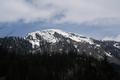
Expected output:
{"points": [[15, 45], [14, 65]]}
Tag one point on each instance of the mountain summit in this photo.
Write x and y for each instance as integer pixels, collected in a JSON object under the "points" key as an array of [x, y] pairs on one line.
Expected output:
{"points": [[55, 40], [54, 36]]}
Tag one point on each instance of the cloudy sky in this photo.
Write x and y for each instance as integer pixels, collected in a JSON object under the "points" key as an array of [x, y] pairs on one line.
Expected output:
{"points": [[94, 18]]}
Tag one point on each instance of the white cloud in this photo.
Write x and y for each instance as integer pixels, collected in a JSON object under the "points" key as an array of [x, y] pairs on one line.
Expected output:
{"points": [[14, 10], [74, 11], [117, 38], [77, 11]]}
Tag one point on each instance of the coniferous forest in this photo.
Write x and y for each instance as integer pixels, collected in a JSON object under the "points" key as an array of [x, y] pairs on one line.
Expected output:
{"points": [[17, 62]]}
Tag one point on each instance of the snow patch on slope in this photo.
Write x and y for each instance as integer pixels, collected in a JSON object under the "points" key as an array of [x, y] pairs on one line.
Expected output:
{"points": [[45, 35], [34, 43], [108, 54], [116, 45]]}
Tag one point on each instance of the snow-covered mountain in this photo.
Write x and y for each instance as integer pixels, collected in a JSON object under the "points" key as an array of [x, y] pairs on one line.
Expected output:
{"points": [[55, 40], [50, 36]]}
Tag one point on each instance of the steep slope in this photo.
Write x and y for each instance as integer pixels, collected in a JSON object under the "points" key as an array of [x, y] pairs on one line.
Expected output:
{"points": [[55, 40], [50, 35], [112, 49]]}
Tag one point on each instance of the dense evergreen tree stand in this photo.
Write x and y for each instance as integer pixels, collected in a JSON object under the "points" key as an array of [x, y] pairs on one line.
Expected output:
{"points": [[54, 67]]}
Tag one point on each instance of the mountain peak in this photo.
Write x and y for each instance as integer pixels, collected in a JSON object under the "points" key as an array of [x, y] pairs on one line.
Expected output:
{"points": [[56, 40], [50, 36]]}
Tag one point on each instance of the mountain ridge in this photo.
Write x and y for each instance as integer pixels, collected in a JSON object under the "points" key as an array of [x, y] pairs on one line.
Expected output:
{"points": [[48, 35], [55, 40]]}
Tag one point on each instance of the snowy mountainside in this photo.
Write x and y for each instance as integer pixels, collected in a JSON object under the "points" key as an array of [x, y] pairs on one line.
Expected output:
{"points": [[55, 40], [49, 36]]}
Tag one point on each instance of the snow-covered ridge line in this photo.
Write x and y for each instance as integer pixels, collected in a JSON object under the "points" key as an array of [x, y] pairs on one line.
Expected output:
{"points": [[59, 39], [48, 35]]}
